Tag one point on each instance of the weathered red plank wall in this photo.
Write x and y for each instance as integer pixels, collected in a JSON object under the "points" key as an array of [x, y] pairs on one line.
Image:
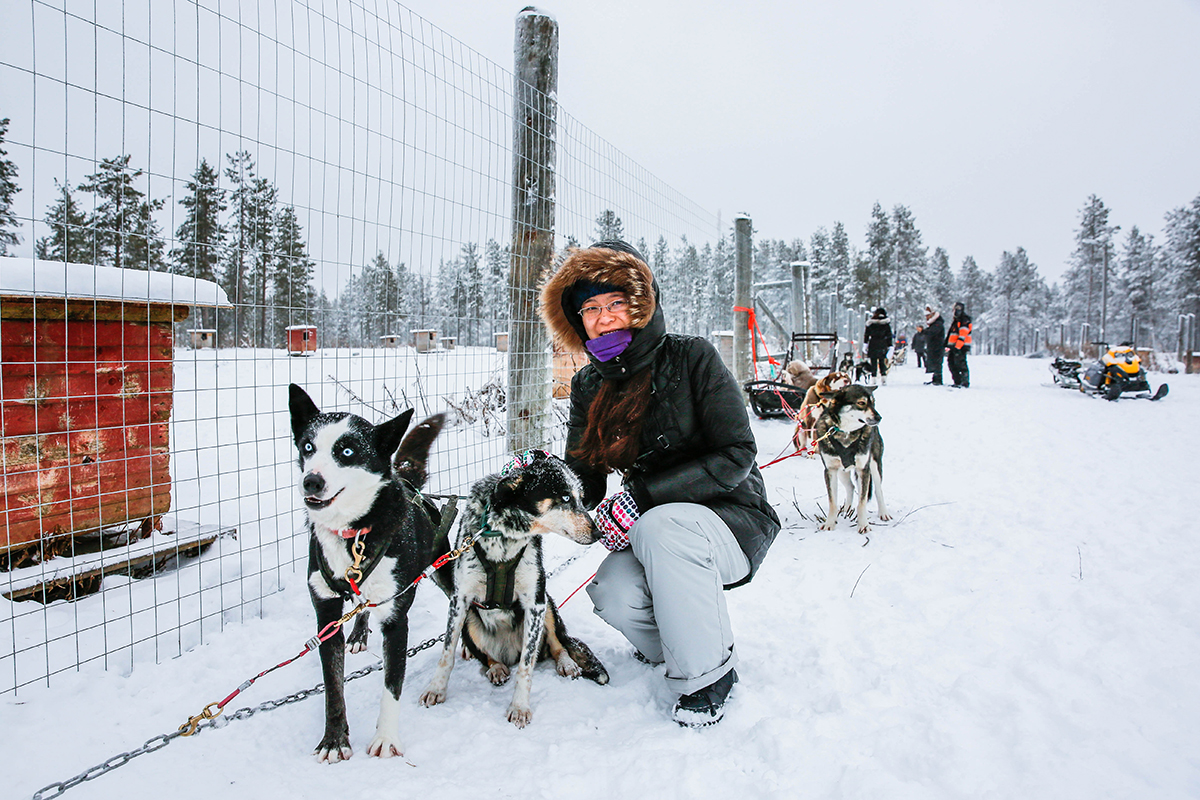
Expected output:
{"points": [[85, 399]]}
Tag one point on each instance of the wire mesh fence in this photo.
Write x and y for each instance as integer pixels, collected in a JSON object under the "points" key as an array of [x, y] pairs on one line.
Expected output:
{"points": [[216, 200]]}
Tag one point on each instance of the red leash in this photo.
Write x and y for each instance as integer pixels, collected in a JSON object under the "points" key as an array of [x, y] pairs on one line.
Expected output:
{"points": [[752, 325], [214, 709], [572, 594]]}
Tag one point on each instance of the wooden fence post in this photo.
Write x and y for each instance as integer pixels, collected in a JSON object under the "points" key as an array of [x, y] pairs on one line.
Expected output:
{"points": [[535, 84], [743, 370]]}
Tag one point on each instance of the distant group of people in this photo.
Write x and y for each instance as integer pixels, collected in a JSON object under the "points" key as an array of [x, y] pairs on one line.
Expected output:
{"points": [[931, 343]]}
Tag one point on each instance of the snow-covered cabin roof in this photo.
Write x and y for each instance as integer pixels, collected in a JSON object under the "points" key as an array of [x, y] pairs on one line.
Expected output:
{"points": [[31, 277]]}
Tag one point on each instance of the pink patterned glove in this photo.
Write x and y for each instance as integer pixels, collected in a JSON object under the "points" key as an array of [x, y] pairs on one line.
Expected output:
{"points": [[614, 517]]}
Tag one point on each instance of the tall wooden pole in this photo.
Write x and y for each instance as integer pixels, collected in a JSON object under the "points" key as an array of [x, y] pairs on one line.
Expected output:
{"points": [[743, 369], [535, 85]]}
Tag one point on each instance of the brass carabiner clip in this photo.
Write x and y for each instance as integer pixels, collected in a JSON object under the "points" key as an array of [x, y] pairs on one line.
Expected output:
{"points": [[188, 728]]}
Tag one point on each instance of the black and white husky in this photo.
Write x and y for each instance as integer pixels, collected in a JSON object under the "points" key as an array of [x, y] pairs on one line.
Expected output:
{"points": [[371, 535], [499, 605], [849, 441]]}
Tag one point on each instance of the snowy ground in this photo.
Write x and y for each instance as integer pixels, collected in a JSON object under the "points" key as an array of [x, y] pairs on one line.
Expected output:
{"points": [[1028, 626]]}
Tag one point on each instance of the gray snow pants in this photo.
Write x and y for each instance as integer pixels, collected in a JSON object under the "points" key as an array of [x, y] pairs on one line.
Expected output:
{"points": [[665, 592]]}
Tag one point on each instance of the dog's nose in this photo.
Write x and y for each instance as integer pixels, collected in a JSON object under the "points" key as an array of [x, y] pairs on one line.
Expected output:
{"points": [[313, 483]]}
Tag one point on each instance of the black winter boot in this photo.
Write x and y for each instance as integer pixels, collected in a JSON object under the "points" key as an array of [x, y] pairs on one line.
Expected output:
{"points": [[705, 706]]}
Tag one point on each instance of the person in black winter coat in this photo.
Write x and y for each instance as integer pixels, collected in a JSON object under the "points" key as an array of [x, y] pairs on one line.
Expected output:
{"points": [[878, 338], [918, 345], [692, 518], [935, 344]]}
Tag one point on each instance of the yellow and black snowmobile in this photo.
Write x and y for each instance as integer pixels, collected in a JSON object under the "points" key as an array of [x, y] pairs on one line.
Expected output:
{"points": [[1119, 371]]}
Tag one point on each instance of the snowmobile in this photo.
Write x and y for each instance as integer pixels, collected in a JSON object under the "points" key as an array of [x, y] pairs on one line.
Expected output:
{"points": [[1119, 371]]}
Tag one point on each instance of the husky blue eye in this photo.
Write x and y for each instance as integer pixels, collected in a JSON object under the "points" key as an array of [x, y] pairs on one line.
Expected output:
{"points": [[348, 452], [308, 447]]}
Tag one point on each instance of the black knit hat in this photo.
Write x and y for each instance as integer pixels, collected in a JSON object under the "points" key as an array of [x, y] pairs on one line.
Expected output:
{"points": [[581, 291]]}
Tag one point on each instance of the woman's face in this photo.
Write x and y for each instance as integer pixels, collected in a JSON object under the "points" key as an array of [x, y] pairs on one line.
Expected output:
{"points": [[605, 313]]}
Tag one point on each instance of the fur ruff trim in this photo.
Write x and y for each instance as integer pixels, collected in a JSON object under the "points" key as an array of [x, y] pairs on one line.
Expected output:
{"points": [[597, 265]]}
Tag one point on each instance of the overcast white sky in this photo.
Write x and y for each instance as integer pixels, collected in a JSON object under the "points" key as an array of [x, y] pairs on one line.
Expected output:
{"points": [[992, 121]]}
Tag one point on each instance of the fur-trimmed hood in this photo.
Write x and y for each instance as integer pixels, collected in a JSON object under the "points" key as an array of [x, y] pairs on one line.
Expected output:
{"points": [[613, 263]]}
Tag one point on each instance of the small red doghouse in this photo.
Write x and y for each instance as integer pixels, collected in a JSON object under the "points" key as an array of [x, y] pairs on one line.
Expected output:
{"points": [[85, 398], [301, 339]]}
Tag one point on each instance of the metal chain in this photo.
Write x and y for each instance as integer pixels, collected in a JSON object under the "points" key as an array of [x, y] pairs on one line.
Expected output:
{"points": [[162, 740]]}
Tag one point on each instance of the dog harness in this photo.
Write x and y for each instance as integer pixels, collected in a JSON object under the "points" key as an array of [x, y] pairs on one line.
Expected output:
{"points": [[841, 446], [501, 584], [348, 587]]}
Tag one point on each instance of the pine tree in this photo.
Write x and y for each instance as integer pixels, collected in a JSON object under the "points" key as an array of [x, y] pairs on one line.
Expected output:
{"points": [[292, 296], [449, 297], [126, 235], [764, 262], [1084, 278], [824, 279], [660, 256], [377, 296], [1183, 256], [422, 300], [685, 306], [1021, 299], [240, 173], [262, 242], [840, 261], [1139, 280], [641, 245], [249, 256], [873, 280], [973, 287], [70, 238], [941, 282], [706, 311], [472, 278], [8, 190], [495, 292], [721, 284], [201, 234], [609, 226], [911, 282]]}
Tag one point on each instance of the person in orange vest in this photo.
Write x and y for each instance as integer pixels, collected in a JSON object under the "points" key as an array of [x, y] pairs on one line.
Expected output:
{"points": [[958, 344]]}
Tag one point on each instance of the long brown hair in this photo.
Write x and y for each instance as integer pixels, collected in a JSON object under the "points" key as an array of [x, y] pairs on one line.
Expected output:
{"points": [[612, 437]]}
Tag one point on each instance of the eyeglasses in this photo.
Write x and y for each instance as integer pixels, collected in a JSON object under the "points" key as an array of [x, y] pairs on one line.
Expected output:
{"points": [[615, 307]]}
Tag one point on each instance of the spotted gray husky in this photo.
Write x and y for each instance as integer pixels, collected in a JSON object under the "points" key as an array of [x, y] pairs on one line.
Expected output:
{"points": [[499, 605], [849, 441]]}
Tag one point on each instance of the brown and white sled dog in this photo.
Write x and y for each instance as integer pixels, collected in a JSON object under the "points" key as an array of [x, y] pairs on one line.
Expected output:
{"points": [[849, 441], [358, 482], [814, 403], [498, 604]]}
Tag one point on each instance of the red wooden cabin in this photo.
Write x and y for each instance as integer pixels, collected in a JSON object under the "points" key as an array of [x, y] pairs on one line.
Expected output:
{"points": [[86, 373], [301, 339]]}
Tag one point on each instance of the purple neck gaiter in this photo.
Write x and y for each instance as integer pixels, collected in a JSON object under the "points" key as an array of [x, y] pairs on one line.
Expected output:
{"points": [[609, 345]]}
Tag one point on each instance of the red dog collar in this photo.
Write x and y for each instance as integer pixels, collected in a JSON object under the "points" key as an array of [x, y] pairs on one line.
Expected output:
{"points": [[351, 533]]}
